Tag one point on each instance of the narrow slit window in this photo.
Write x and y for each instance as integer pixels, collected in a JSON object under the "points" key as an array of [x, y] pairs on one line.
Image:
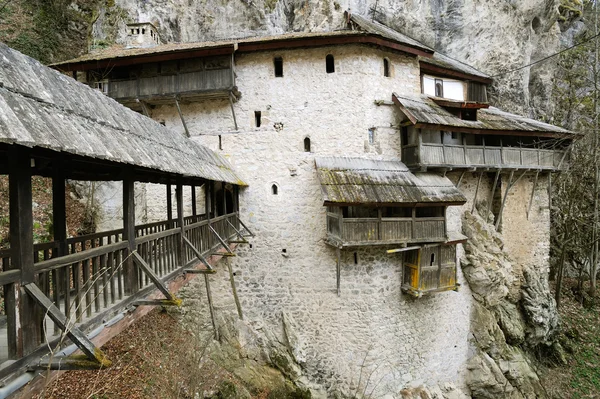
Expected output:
{"points": [[356, 258], [432, 261], [274, 189], [329, 64], [372, 136], [386, 67], [143, 31], [307, 144], [257, 118], [278, 64]]}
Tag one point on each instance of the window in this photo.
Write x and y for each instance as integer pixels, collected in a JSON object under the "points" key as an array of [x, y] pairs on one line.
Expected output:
{"points": [[396, 212], [454, 136], [386, 67], [372, 136], [307, 144], [404, 132], [430, 212], [439, 88], [356, 258], [257, 118], [278, 63], [329, 64], [432, 259], [469, 114], [143, 31], [274, 189], [359, 212]]}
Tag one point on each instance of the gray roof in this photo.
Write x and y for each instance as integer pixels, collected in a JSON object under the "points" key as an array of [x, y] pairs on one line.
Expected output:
{"points": [[366, 181], [382, 30], [40, 107], [444, 61], [422, 110]]}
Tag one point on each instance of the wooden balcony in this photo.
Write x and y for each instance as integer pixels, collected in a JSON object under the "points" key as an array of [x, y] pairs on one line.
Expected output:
{"points": [[428, 155], [356, 232], [217, 83]]}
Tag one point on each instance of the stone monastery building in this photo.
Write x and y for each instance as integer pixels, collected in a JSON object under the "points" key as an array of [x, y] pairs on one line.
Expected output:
{"points": [[362, 148]]}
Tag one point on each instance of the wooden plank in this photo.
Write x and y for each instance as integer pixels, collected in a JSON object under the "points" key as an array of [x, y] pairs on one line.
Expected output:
{"points": [[211, 307], [60, 262], [338, 268], [393, 251], [181, 249], [238, 305], [130, 272]]}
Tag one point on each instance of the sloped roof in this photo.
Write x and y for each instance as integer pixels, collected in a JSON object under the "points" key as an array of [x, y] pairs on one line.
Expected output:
{"points": [[363, 181], [443, 61], [40, 107], [423, 111], [377, 28]]}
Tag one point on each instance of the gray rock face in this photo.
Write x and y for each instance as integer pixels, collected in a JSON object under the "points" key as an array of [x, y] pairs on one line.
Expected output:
{"points": [[494, 35], [507, 312]]}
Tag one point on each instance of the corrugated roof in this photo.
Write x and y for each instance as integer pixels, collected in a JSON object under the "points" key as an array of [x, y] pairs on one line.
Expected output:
{"points": [[40, 107], [366, 181], [382, 30], [423, 110], [443, 61]]}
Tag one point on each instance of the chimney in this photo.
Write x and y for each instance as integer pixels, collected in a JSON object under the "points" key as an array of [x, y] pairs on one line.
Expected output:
{"points": [[143, 34]]}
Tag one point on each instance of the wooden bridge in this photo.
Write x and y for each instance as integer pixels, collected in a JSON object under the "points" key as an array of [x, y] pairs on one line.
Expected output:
{"points": [[57, 128]]}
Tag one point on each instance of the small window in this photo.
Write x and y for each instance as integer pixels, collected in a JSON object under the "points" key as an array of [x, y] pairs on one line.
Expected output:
{"points": [[356, 258], [396, 212], [138, 31], [430, 212], [257, 118], [278, 63], [329, 64], [274, 189], [386, 67], [143, 31], [439, 88], [432, 259], [307, 144], [132, 31], [454, 136], [469, 114], [372, 136]]}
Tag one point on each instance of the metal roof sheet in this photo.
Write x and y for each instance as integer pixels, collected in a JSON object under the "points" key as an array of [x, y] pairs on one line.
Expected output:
{"points": [[423, 110], [366, 181], [40, 107]]}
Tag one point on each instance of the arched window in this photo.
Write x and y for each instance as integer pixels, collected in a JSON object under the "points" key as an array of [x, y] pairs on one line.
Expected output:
{"points": [[274, 189], [386, 67], [439, 88], [329, 64], [307, 144]]}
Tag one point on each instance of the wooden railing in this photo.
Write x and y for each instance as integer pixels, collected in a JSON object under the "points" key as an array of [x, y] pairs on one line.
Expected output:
{"points": [[171, 85], [89, 279], [372, 231], [441, 155]]}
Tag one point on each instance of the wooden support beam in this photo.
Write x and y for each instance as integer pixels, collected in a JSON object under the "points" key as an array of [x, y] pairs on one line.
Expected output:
{"points": [[476, 192], [75, 335], [59, 212], [238, 233], [199, 271], [211, 307], [187, 132], [535, 180], [208, 207], [24, 319], [155, 279], [223, 243], [246, 227], [68, 363], [393, 251], [234, 290], [130, 271], [338, 268], [489, 207], [233, 111], [197, 253], [508, 187], [169, 206], [550, 193], [193, 194], [180, 222]]}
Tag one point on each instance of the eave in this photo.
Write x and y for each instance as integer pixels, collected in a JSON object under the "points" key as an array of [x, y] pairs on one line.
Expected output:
{"points": [[444, 102], [450, 73]]}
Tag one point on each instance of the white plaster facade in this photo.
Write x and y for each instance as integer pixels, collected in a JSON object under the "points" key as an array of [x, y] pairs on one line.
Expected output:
{"points": [[371, 337]]}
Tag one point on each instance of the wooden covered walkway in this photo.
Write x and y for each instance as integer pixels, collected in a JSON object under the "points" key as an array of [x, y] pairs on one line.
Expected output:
{"points": [[54, 127]]}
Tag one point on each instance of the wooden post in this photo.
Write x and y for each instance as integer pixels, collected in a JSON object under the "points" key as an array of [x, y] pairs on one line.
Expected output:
{"points": [[130, 268], [338, 267], [414, 223], [476, 191], [493, 190], [234, 289], [508, 187], [213, 201], [169, 207], [210, 306], [193, 192], [460, 179], [59, 212], [207, 208], [532, 193], [25, 318], [179, 198], [550, 193]]}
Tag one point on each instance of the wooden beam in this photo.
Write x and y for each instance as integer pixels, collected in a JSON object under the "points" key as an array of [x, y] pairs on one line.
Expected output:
{"points": [[197, 253], [187, 132], [130, 272], [68, 326], [508, 187], [154, 278], [169, 206], [233, 111], [25, 319], [59, 212], [193, 194], [211, 307], [493, 190], [234, 290], [460, 179], [535, 180], [476, 191], [393, 251], [338, 268], [180, 221], [208, 207]]}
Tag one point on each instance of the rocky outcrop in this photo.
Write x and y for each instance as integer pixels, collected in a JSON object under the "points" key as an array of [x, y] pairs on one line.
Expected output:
{"points": [[514, 309]]}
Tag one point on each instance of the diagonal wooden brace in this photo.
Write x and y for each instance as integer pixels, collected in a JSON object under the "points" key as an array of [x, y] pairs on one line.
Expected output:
{"points": [[93, 353], [245, 227], [197, 253], [239, 234], [156, 280], [223, 243]]}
